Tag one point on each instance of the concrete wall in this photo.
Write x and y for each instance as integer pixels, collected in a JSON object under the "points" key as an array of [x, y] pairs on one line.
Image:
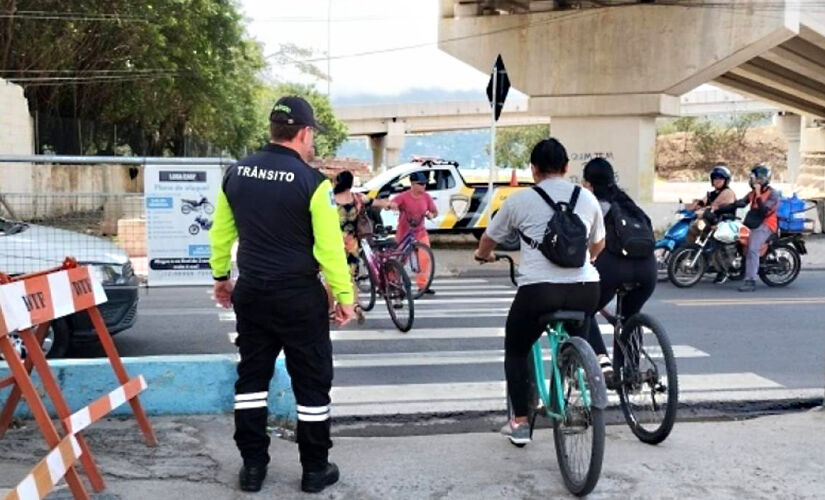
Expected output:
{"points": [[16, 137]]}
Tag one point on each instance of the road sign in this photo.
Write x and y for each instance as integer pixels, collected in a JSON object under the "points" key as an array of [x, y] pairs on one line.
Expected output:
{"points": [[499, 85]]}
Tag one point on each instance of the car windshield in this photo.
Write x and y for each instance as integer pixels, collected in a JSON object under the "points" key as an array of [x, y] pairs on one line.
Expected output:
{"points": [[380, 180], [8, 227]]}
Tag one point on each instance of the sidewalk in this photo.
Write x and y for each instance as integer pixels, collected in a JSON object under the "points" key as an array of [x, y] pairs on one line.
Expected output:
{"points": [[769, 457]]}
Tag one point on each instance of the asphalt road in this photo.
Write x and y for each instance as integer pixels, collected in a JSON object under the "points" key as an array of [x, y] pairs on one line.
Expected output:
{"points": [[728, 345]]}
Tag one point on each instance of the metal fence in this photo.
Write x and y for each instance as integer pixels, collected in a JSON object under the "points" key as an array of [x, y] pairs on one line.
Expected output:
{"points": [[89, 208]]}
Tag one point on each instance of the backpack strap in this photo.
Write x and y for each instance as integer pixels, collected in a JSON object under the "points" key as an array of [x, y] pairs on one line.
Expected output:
{"points": [[530, 241], [546, 197], [574, 198]]}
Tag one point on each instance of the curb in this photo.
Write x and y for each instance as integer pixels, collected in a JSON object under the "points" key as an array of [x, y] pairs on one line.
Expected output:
{"points": [[178, 385]]}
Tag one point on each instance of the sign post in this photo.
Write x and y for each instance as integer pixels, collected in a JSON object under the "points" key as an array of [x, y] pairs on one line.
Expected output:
{"points": [[497, 90]]}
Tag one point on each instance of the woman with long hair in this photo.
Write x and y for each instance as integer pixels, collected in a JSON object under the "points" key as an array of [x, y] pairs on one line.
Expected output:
{"points": [[614, 268], [350, 205]]}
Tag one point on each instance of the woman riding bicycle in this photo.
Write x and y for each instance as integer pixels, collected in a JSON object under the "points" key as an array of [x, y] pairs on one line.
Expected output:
{"points": [[615, 266], [350, 206], [544, 287]]}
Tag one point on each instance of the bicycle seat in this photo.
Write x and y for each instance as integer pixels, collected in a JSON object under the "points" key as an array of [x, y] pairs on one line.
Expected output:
{"points": [[575, 317]]}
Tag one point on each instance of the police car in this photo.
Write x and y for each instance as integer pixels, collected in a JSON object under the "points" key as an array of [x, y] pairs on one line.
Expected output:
{"points": [[462, 205]]}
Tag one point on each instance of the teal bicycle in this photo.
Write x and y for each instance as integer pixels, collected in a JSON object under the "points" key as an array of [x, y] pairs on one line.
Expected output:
{"points": [[567, 386]]}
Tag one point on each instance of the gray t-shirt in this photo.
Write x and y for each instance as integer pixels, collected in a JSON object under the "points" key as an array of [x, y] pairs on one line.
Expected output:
{"points": [[527, 211]]}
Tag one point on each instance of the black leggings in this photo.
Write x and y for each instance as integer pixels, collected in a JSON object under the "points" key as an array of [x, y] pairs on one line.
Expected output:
{"points": [[523, 328], [613, 272]]}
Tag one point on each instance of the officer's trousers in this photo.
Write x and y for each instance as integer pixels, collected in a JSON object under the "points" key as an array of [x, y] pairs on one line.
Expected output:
{"points": [[292, 316]]}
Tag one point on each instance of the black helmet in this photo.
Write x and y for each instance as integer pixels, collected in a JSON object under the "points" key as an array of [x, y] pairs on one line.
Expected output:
{"points": [[760, 174], [720, 172]]}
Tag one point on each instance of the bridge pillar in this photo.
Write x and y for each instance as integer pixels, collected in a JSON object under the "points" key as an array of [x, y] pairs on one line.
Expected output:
{"points": [[395, 139], [620, 129], [790, 125], [810, 182], [377, 143]]}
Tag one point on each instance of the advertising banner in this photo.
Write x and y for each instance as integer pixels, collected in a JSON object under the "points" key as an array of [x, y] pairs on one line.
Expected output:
{"points": [[180, 205]]}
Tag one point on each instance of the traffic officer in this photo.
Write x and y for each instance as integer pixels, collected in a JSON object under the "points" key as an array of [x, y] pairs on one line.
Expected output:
{"points": [[283, 213]]}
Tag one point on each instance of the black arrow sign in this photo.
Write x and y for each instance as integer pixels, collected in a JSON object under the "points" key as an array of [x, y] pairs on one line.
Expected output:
{"points": [[502, 86]]}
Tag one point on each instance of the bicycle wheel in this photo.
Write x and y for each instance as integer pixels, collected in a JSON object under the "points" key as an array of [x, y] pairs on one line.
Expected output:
{"points": [[366, 298], [362, 278], [397, 295], [648, 384], [579, 437], [412, 264]]}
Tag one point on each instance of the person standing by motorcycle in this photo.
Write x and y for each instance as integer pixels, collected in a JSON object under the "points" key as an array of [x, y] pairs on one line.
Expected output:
{"points": [[761, 219], [629, 257], [721, 195]]}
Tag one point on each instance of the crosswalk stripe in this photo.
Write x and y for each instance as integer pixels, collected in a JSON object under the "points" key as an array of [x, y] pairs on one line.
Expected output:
{"points": [[497, 402], [434, 358], [746, 302], [398, 398], [429, 333], [460, 281], [442, 292]]}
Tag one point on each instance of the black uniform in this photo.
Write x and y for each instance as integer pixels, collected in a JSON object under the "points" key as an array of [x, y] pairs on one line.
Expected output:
{"points": [[282, 212]]}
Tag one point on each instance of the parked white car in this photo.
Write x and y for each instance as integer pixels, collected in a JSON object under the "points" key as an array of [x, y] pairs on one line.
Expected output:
{"points": [[27, 248]]}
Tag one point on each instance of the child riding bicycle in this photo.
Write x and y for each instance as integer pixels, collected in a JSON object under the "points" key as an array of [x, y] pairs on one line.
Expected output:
{"points": [[413, 206]]}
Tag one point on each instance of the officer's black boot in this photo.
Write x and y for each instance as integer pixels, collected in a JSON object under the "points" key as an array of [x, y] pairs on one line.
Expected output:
{"points": [[315, 482], [252, 477]]}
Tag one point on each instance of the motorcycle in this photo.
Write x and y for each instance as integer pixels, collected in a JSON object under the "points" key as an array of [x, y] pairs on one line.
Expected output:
{"points": [[189, 206], [200, 223], [673, 239], [721, 247]]}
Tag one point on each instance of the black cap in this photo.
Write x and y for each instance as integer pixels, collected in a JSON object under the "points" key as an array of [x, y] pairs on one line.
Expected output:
{"points": [[294, 110], [418, 178]]}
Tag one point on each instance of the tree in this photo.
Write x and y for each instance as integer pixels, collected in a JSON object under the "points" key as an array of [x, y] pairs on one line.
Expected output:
{"points": [[162, 71], [327, 141], [514, 144]]}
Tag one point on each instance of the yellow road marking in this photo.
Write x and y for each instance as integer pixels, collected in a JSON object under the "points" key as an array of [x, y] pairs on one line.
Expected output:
{"points": [[787, 301]]}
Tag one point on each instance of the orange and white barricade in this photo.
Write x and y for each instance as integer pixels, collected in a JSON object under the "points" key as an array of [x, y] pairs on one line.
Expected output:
{"points": [[46, 474], [27, 305]]}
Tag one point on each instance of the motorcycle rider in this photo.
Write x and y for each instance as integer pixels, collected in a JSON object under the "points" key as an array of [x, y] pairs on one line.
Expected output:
{"points": [[761, 219], [721, 196]]}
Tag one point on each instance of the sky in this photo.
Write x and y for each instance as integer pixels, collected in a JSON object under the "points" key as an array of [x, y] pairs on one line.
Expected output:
{"points": [[358, 26], [361, 26]]}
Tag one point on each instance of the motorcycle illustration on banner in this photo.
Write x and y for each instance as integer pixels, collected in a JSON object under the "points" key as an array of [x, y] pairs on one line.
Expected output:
{"points": [[200, 223], [189, 206]]}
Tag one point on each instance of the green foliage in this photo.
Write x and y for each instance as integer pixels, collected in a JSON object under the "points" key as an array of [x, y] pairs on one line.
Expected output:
{"points": [[514, 144], [163, 71], [326, 141]]}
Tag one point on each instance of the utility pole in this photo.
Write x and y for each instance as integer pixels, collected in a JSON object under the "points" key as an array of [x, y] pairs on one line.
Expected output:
{"points": [[329, 46]]}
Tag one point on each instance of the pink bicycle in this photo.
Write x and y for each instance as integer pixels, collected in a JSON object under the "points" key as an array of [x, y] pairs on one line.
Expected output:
{"points": [[382, 274]]}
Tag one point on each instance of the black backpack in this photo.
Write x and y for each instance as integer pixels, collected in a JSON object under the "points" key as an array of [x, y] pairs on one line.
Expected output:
{"points": [[565, 239], [629, 231]]}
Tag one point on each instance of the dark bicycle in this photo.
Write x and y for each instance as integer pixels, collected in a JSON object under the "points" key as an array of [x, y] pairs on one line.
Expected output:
{"points": [[645, 375]]}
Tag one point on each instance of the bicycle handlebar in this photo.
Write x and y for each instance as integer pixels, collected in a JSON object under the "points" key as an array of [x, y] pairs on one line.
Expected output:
{"points": [[509, 261]]}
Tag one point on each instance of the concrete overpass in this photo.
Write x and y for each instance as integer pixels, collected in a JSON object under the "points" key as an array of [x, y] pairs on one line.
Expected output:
{"points": [[604, 74], [386, 124]]}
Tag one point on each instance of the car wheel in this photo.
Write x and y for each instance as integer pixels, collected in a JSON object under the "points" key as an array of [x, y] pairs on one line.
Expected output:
{"points": [[55, 345]]}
